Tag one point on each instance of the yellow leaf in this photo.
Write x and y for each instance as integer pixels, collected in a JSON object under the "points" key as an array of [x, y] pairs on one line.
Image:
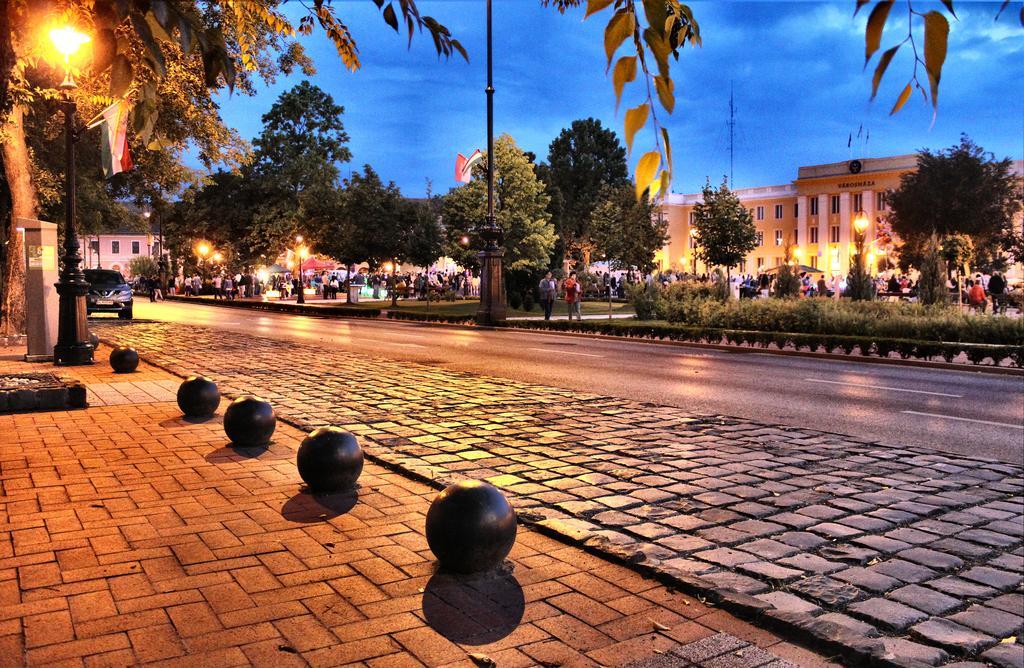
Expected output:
{"points": [[624, 72], [666, 182], [619, 28], [902, 100], [655, 186], [668, 148], [636, 118], [936, 38], [666, 92], [646, 168], [1008, 641], [873, 32], [883, 63], [656, 11], [594, 6]]}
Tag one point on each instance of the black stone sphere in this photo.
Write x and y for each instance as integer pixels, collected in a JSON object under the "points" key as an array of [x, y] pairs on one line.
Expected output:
{"points": [[249, 421], [94, 339], [330, 460], [198, 397], [124, 359], [471, 527]]}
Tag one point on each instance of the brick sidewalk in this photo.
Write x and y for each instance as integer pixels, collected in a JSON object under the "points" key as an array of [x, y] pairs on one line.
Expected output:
{"points": [[921, 553], [130, 535]]}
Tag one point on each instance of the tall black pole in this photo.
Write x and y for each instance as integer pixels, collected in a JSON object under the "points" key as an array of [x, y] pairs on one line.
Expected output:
{"points": [[492, 281], [73, 346]]}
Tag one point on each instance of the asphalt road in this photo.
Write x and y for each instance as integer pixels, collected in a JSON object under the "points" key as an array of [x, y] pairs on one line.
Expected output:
{"points": [[961, 412]]}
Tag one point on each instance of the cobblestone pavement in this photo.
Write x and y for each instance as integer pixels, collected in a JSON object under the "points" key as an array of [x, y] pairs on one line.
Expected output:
{"points": [[888, 551], [129, 535]]}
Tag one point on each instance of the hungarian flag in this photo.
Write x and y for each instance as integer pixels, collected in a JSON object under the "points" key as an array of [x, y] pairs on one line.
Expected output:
{"points": [[114, 138], [464, 166]]}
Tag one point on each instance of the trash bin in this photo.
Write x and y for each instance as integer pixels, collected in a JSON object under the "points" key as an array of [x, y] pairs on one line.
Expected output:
{"points": [[353, 293]]}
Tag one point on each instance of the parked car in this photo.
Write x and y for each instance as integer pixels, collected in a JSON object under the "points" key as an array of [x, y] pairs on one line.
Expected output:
{"points": [[108, 293]]}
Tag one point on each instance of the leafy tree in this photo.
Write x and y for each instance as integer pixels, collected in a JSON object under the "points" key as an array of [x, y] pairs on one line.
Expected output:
{"points": [[156, 52], [627, 232], [725, 228], [931, 284], [144, 266], [582, 160], [521, 212], [960, 190]]}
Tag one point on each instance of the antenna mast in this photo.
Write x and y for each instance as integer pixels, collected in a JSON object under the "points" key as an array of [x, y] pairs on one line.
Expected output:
{"points": [[732, 134]]}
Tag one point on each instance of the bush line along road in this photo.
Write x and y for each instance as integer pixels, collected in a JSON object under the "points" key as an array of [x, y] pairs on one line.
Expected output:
{"points": [[957, 412]]}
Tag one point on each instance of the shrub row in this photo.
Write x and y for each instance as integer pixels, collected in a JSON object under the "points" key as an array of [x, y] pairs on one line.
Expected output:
{"points": [[287, 307], [692, 305], [827, 343], [430, 317]]}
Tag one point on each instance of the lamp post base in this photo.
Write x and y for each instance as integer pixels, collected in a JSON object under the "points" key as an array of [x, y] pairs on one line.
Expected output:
{"points": [[492, 309], [73, 347]]}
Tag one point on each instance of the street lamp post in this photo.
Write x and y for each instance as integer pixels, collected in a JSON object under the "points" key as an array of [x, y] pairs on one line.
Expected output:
{"points": [[73, 347], [300, 251], [492, 308]]}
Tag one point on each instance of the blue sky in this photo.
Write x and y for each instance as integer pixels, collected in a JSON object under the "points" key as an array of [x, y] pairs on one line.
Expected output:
{"points": [[796, 68]]}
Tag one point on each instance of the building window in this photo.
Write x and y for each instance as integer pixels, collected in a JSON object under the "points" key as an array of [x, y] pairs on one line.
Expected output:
{"points": [[778, 237], [743, 266], [760, 238], [760, 262], [760, 213], [814, 261], [814, 206], [814, 235], [833, 234], [881, 201], [796, 210], [796, 237], [835, 203], [693, 241], [778, 211], [691, 218], [115, 247], [94, 245], [135, 248], [858, 202]]}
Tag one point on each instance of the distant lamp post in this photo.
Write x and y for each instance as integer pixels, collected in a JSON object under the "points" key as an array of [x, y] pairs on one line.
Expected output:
{"points": [[301, 252], [202, 251], [492, 308], [693, 246], [73, 346]]}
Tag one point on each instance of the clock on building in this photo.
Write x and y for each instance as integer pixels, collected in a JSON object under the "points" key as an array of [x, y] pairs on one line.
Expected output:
{"points": [[855, 166]]}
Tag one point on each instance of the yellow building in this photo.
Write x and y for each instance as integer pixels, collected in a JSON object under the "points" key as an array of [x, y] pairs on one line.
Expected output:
{"points": [[813, 215]]}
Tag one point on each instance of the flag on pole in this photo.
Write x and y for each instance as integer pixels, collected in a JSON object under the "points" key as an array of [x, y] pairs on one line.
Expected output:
{"points": [[464, 166], [114, 138]]}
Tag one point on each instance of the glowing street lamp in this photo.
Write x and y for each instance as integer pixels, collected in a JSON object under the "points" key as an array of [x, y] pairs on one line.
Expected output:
{"points": [[861, 223], [73, 346]]}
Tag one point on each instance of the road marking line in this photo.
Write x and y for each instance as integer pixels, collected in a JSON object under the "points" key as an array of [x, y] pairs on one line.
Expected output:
{"points": [[883, 387], [962, 419], [564, 352]]}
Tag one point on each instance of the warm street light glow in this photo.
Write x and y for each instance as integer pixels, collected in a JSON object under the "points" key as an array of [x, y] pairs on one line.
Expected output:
{"points": [[693, 232], [388, 267], [146, 214], [861, 222], [203, 249], [298, 238], [303, 252], [68, 41], [465, 240], [217, 257], [798, 252]]}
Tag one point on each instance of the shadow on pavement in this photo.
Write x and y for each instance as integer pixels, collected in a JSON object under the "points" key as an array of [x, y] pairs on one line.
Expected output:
{"points": [[473, 610], [308, 508], [231, 453]]}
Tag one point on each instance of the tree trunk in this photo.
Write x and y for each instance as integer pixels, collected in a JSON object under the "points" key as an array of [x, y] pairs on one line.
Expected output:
{"points": [[24, 204]]}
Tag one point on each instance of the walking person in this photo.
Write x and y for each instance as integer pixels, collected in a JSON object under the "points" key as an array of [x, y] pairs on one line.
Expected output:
{"points": [[573, 294], [548, 293], [997, 288]]}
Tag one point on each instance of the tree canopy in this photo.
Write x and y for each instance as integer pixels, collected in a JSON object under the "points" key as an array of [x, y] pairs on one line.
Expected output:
{"points": [[626, 232], [725, 231]]}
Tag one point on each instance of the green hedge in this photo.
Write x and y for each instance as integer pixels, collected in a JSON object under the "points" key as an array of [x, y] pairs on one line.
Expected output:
{"points": [[286, 307], [690, 305], [825, 343], [430, 317]]}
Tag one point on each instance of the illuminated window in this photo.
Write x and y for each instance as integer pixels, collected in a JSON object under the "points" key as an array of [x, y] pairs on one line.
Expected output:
{"points": [[778, 237]]}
